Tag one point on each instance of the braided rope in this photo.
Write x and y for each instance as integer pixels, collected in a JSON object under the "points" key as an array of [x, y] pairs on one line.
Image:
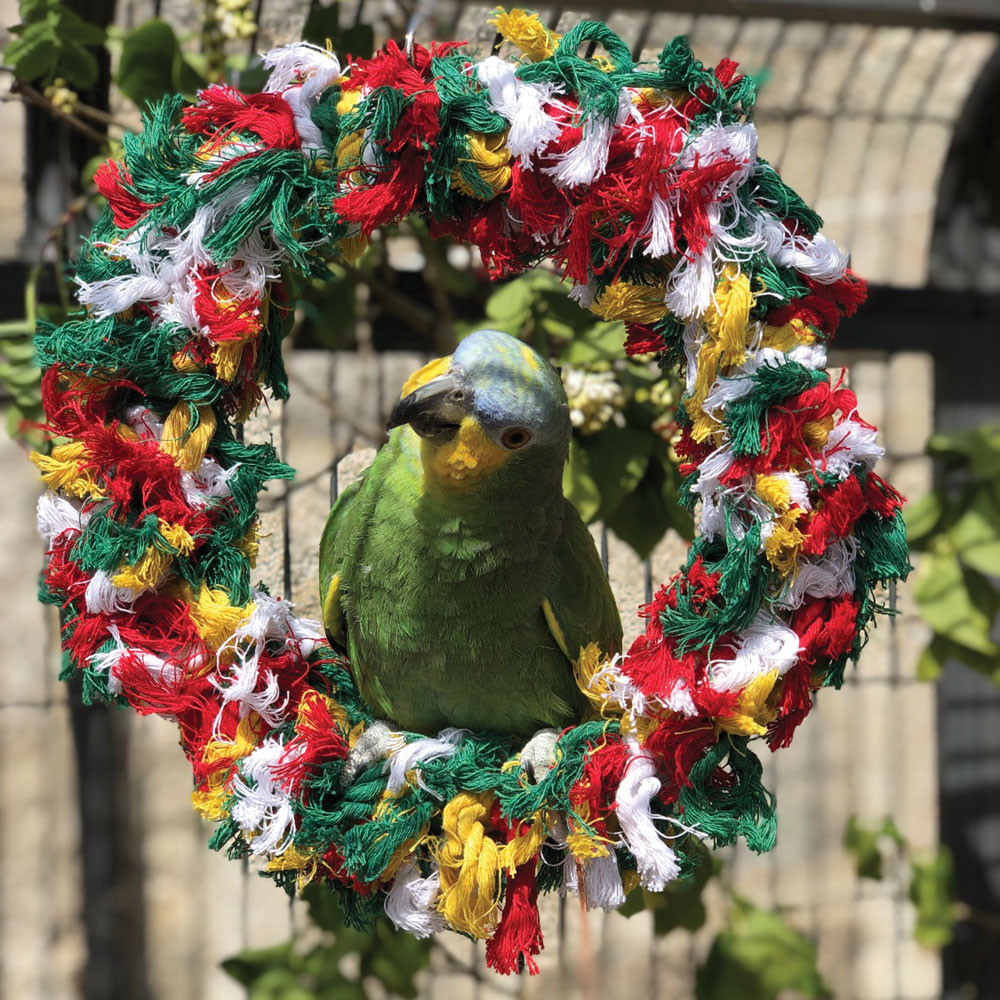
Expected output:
{"points": [[644, 187]]}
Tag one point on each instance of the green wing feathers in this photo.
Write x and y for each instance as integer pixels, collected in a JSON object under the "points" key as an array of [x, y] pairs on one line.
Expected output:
{"points": [[579, 605], [341, 524]]}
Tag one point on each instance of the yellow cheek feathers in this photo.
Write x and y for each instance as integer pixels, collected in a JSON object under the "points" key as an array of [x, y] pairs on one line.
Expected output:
{"points": [[423, 375], [460, 463]]}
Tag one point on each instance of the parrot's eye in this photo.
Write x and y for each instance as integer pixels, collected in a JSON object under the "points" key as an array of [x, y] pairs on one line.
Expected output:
{"points": [[515, 437]]}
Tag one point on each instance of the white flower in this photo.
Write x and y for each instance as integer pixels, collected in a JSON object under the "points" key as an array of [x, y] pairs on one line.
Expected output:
{"points": [[595, 398]]}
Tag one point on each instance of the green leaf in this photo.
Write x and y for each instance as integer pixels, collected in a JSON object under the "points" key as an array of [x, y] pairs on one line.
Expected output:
{"points": [[343, 990], [865, 844], [146, 67], [12, 419], [985, 558], [560, 316], [511, 302], [186, 79], [757, 957], [930, 663], [324, 910], [579, 486], [681, 906], [16, 328], [248, 966], [976, 533], [152, 64], [922, 516], [680, 517], [598, 342], [862, 844], [322, 23], [958, 603], [20, 352], [396, 959], [979, 449], [616, 459], [642, 517], [31, 57], [34, 10], [74, 30], [77, 65], [940, 649], [279, 984], [931, 894]]}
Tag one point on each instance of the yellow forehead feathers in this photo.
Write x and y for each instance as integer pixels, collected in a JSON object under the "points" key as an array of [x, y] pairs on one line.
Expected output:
{"points": [[530, 357], [423, 375]]}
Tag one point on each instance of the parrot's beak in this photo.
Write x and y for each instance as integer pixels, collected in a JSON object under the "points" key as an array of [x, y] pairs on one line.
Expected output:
{"points": [[435, 409]]}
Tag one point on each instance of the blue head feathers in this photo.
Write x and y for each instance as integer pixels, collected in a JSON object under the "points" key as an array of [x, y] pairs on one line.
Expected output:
{"points": [[512, 387]]}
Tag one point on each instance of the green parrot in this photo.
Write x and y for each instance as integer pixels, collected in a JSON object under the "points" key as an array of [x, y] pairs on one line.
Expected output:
{"points": [[454, 574]]}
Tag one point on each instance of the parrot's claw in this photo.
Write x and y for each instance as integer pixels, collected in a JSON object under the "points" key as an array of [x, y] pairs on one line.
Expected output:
{"points": [[539, 754], [375, 743]]}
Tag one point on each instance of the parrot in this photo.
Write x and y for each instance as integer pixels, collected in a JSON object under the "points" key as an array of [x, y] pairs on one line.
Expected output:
{"points": [[456, 577]]}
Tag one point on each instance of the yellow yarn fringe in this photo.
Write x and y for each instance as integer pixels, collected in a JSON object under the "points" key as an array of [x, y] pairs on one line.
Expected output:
{"points": [[754, 713], [785, 542], [492, 159], [471, 861], [727, 322], [212, 804], [526, 31], [631, 303], [187, 445], [63, 470]]}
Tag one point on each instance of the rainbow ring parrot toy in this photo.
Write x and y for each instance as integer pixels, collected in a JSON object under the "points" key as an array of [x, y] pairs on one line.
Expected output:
{"points": [[463, 730]]}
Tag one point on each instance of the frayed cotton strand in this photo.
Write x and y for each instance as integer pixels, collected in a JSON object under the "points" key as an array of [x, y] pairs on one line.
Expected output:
{"points": [[409, 756], [602, 880], [263, 807], [828, 575], [107, 662], [740, 383], [290, 64], [764, 645], [659, 228], [656, 862], [522, 105], [410, 902], [102, 597], [811, 356], [56, 514], [850, 444], [690, 285], [736, 142], [300, 72]]}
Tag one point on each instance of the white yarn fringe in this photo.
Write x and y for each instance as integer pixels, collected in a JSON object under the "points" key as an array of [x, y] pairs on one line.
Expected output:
{"points": [[263, 808], [410, 755], [656, 862], [765, 645], [602, 880], [410, 902]]}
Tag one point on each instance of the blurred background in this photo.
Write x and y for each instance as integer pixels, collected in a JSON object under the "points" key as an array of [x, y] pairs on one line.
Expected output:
{"points": [[885, 884]]}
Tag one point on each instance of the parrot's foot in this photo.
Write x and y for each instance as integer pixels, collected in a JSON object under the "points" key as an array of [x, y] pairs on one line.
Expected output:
{"points": [[375, 743], [539, 754]]}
